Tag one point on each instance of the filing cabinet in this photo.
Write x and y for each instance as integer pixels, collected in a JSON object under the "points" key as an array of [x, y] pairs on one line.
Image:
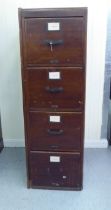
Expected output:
{"points": [[53, 66], [55, 169]]}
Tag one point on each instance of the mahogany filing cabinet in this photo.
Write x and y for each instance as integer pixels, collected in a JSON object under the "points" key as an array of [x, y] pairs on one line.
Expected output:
{"points": [[53, 63]]}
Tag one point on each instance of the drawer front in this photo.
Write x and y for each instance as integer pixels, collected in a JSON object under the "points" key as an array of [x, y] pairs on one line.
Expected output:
{"points": [[63, 93], [54, 41], [55, 169], [55, 131]]}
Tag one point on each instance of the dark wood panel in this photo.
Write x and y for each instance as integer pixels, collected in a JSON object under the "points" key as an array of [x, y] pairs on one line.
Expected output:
{"points": [[67, 43], [55, 169], [44, 51], [53, 12], [59, 136], [64, 93]]}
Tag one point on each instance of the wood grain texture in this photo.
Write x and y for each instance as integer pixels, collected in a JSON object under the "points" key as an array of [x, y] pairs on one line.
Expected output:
{"points": [[43, 97], [60, 136], [65, 173], [69, 89], [53, 12], [69, 53]]}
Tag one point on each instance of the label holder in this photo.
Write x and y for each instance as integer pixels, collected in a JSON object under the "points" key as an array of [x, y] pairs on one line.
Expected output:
{"points": [[55, 75], [54, 119], [53, 26], [55, 159]]}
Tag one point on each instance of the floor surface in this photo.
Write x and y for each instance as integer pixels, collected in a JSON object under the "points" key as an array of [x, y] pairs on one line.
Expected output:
{"points": [[96, 194]]}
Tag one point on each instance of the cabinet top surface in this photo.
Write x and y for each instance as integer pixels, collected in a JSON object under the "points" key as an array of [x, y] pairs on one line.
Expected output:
{"points": [[53, 12]]}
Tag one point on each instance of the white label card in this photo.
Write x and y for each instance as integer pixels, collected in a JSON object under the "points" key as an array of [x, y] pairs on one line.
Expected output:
{"points": [[53, 26], [54, 119], [54, 75], [55, 159]]}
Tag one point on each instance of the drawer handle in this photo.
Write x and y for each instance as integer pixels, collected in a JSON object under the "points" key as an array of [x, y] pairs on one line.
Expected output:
{"points": [[54, 89], [53, 42], [55, 132], [54, 146]]}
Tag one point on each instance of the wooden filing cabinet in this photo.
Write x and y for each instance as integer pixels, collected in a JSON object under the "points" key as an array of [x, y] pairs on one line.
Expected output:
{"points": [[53, 62]]}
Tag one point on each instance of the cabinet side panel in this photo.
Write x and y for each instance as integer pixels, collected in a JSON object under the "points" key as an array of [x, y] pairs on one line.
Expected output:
{"points": [[21, 32]]}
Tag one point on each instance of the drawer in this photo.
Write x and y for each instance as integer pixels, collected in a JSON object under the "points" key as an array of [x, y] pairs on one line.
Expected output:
{"points": [[54, 41], [67, 92], [49, 169], [55, 131]]}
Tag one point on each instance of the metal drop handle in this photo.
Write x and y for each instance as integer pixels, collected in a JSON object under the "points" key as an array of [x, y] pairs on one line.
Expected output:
{"points": [[54, 89], [55, 131], [51, 43]]}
